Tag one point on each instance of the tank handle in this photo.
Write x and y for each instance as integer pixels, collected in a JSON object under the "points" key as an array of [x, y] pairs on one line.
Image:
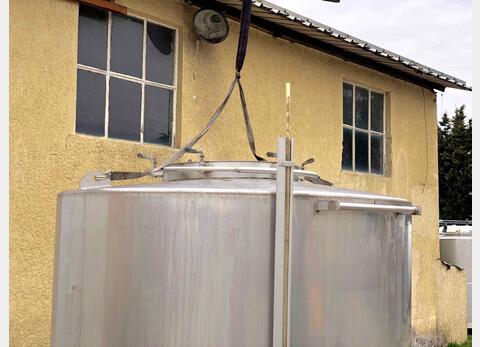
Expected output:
{"points": [[323, 205]]}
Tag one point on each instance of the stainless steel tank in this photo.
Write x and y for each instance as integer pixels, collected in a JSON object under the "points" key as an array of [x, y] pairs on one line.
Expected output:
{"points": [[189, 262], [456, 249]]}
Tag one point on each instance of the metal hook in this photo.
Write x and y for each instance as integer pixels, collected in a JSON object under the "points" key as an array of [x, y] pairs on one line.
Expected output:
{"points": [[306, 162]]}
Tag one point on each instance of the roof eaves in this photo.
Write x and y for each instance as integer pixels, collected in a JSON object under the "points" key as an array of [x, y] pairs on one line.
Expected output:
{"points": [[418, 72], [363, 44]]}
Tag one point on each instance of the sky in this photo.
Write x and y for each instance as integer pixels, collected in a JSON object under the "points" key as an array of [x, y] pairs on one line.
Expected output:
{"points": [[435, 33]]}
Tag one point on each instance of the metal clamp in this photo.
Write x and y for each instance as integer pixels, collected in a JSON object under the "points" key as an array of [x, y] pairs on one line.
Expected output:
{"points": [[103, 176], [196, 151], [148, 157], [95, 180], [286, 163]]}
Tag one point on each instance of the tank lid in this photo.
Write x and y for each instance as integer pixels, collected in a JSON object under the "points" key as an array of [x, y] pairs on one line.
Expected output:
{"points": [[233, 169]]}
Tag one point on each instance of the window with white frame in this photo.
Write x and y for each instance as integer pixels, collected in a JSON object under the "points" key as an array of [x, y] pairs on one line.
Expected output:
{"points": [[125, 77], [363, 129]]}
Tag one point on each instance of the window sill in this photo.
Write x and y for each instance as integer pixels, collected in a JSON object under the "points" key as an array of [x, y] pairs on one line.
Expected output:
{"points": [[115, 141], [363, 174]]}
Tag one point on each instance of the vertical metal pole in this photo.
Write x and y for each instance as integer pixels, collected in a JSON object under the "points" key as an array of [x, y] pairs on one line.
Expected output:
{"points": [[287, 118], [408, 280], [283, 229]]}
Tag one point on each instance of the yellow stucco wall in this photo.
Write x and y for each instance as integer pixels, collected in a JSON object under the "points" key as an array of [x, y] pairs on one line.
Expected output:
{"points": [[46, 156], [452, 303]]}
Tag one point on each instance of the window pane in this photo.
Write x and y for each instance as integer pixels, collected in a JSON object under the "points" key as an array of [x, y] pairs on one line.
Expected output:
{"points": [[361, 151], [157, 116], [347, 157], [90, 118], [160, 54], [92, 37], [377, 154], [127, 45], [347, 103], [124, 109], [376, 111], [361, 107]]}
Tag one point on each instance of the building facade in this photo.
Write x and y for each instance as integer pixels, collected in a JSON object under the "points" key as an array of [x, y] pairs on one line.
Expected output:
{"points": [[87, 94]]}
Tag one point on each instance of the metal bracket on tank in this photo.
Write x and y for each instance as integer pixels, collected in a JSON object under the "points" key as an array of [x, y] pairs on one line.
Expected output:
{"points": [[328, 205], [324, 205], [148, 157]]}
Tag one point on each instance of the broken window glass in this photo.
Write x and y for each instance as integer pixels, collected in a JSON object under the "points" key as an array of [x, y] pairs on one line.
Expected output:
{"points": [[140, 77], [160, 54]]}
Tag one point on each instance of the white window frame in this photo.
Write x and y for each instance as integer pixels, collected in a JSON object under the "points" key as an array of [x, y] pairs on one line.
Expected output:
{"points": [[368, 131], [142, 81]]}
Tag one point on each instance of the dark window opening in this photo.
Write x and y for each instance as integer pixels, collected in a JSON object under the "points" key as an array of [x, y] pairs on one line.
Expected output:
{"points": [[126, 77], [363, 130]]}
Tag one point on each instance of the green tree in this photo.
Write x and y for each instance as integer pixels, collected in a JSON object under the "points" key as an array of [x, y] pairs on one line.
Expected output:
{"points": [[455, 165]]}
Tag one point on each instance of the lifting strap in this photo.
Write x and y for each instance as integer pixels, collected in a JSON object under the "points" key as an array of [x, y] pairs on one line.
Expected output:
{"points": [[241, 53], [240, 58], [243, 35], [197, 138]]}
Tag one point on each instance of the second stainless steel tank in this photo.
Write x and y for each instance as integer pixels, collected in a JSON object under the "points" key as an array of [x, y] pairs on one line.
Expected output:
{"points": [[456, 249]]}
